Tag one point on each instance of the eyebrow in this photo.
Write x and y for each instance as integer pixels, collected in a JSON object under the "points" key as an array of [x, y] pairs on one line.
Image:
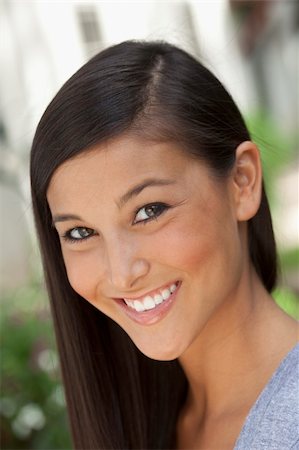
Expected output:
{"points": [[65, 218], [135, 190]]}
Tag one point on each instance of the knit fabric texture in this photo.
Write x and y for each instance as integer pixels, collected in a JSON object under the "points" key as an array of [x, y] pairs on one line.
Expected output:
{"points": [[273, 421]]}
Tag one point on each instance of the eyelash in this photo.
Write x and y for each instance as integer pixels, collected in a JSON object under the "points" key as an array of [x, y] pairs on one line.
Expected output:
{"points": [[67, 236], [155, 217]]}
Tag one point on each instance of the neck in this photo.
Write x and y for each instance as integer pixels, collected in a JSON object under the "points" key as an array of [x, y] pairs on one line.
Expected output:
{"points": [[234, 356]]}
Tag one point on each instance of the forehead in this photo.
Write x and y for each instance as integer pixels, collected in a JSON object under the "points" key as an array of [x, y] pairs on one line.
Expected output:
{"points": [[117, 164]]}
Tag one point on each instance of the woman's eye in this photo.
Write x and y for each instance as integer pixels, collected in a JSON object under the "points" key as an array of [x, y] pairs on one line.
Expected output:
{"points": [[78, 234], [150, 212]]}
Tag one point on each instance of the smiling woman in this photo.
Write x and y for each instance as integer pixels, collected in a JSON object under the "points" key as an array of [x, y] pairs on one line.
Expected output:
{"points": [[159, 257]]}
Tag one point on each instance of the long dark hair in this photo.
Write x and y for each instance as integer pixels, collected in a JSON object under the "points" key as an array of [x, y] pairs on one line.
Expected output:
{"points": [[117, 398]]}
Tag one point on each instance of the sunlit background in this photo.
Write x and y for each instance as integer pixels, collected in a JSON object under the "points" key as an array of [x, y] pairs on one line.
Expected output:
{"points": [[253, 48]]}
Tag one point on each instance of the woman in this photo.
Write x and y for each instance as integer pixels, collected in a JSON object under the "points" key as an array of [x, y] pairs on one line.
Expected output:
{"points": [[159, 257]]}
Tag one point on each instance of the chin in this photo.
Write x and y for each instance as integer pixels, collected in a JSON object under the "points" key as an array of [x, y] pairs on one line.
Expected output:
{"points": [[159, 352], [160, 356]]}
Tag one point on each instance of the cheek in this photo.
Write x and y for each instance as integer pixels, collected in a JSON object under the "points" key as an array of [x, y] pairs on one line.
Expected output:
{"points": [[183, 248], [83, 272], [202, 245]]}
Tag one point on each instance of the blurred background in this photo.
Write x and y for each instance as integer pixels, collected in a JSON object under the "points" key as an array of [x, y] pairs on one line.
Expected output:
{"points": [[253, 48]]}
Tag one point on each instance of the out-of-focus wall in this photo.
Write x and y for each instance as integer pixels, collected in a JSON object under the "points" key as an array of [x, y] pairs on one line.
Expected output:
{"points": [[251, 48]]}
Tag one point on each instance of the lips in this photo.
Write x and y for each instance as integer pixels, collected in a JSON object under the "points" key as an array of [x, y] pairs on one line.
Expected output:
{"points": [[155, 313], [150, 301]]}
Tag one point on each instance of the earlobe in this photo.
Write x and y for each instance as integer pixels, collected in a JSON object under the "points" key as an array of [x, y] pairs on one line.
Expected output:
{"points": [[247, 180]]}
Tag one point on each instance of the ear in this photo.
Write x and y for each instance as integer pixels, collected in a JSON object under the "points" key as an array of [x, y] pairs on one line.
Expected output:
{"points": [[247, 181]]}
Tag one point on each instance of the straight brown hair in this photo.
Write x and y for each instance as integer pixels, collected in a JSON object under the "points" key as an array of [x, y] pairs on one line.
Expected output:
{"points": [[117, 398]]}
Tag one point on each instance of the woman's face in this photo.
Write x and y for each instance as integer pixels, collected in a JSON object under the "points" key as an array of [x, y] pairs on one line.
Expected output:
{"points": [[146, 223]]}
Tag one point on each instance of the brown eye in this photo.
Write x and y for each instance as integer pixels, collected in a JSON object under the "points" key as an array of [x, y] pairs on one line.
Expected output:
{"points": [[79, 233], [149, 212]]}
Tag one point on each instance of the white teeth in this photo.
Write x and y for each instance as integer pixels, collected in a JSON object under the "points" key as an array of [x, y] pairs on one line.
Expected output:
{"points": [[158, 299], [138, 306], [130, 303], [149, 302], [165, 294], [173, 288]]}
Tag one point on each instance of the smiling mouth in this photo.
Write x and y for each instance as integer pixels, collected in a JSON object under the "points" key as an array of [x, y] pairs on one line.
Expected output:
{"points": [[149, 302]]}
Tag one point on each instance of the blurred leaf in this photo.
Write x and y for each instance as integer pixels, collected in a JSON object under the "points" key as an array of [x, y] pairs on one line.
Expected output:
{"points": [[288, 301], [28, 377], [289, 259], [278, 149]]}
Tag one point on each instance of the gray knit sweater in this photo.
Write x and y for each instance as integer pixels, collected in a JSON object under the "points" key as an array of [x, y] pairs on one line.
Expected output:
{"points": [[273, 421]]}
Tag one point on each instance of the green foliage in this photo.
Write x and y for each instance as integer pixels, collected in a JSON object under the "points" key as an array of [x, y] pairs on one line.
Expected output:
{"points": [[278, 151], [288, 301], [289, 259], [277, 148], [32, 406]]}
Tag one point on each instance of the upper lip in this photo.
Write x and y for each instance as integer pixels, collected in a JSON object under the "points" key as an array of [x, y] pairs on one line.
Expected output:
{"points": [[150, 293]]}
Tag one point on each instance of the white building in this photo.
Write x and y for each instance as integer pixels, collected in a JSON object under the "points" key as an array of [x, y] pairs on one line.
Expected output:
{"points": [[42, 43]]}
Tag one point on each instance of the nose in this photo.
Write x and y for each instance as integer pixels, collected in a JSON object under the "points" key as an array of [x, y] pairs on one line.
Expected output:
{"points": [[125, 265]]}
